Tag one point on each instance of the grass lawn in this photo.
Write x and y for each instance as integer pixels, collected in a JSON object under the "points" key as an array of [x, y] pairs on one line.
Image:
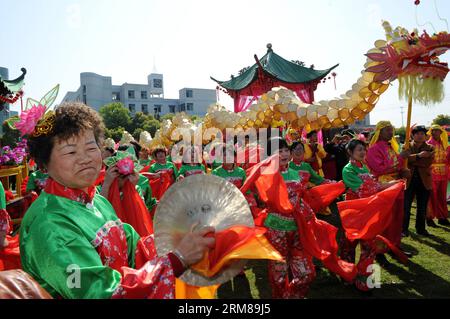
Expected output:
{"points": [[427, 274]]}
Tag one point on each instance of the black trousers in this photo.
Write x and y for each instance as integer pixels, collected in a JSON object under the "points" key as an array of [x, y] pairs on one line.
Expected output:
{"points": [[418, 190]]}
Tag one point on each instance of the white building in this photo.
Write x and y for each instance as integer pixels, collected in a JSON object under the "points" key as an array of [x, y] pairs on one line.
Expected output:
{"points": [[96, 90]]}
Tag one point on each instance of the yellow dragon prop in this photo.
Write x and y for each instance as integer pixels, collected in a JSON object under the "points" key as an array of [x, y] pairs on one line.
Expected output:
{"points": [[408, 57]]}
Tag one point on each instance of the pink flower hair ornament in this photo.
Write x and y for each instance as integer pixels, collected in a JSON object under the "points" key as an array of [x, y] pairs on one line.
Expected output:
{"points": [[36, 119], [29, 119]]}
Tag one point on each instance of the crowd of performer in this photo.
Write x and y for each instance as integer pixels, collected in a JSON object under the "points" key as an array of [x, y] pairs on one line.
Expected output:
{"points": [[89, 214]]}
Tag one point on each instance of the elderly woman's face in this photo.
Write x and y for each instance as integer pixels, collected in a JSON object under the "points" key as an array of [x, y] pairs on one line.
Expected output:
{"points": [[76, 162]]}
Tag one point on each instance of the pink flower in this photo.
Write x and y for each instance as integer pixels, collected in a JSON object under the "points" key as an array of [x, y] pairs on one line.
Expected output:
{"points": [[125, 166], [29, 119]]}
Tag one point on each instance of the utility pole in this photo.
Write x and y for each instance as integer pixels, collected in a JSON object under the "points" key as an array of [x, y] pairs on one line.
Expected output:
{"points": [[402, 112]]}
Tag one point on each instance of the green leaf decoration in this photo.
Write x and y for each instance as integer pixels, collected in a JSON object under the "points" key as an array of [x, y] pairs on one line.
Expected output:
{"points": [[46, 101], [30, 103], [11, 122], [50, 97], [110, 161]]}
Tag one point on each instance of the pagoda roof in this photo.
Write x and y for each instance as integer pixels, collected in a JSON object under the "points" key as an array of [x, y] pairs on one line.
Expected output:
{"points": [[277, 67], [9, 87]]}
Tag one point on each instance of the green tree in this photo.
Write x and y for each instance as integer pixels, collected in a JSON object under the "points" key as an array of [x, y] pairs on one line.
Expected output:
{"points": [[168, 116], [195, 118], [442, 119], [114, 133], [151, 126], [138, 121], [115, 115], [137, 132]]}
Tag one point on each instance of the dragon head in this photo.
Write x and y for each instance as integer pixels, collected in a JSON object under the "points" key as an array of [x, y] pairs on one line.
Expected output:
{"points": [[411, 58]]}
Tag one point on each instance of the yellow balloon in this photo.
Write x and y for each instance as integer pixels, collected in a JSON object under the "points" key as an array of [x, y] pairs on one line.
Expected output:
{"points": [[343, 114], [382, 88], [363, 106], [337, 123], [314, 126], [365, 92], [356, 113], [373, 86], [373, 99], [323, 120], [291, 116], [261, 116], [277, 116]]}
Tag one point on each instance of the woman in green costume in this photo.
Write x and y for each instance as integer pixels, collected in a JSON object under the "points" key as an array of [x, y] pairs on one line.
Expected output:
{"points": [[71, 240]]}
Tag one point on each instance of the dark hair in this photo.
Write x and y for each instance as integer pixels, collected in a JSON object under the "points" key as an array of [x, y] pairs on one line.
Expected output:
{"points": [[418, 129], [311, 134], [353, 144], [295, 144], [159, 150], [110, 149], [122, 148], [71, 119], [137, 147]]}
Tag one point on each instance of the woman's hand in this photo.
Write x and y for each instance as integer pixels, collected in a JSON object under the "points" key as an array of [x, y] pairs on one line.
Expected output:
{"points": [[133, 178], [110, 175], [193, 245]]}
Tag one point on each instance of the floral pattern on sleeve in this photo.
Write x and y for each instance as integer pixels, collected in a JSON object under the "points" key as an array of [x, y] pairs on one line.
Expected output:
{"points": [[368, 187]]}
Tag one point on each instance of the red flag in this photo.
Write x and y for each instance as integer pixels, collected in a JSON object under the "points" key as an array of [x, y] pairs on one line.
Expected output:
{"points": [[321, 196], [317, 236], [161, 184], [131, 208], [10, 255], [368, 217]]}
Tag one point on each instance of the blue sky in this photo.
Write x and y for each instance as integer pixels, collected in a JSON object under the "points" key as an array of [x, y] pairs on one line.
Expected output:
{"points": [[192, 40]]}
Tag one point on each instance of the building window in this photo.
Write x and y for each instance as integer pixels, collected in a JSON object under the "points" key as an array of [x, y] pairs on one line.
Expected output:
{"points": [[182, 107], [132, 107], [144, 95], [145, 108], [131, 94], [157, 108], [157, 83], [116, 96], [172, 108], [190, 106], [189, 93]]}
